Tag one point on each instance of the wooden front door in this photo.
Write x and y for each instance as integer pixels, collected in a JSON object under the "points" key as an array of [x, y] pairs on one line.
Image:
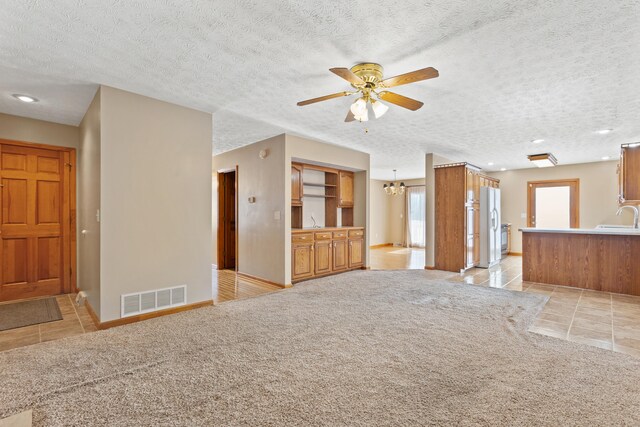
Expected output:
{"points": [[37, 204]]}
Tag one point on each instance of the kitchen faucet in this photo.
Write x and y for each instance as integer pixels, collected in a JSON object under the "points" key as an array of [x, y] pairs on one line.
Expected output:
{"points": [[635, 213]]}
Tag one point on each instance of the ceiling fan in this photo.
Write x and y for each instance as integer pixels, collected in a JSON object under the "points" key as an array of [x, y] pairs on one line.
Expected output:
{"points": [[367, 80]]}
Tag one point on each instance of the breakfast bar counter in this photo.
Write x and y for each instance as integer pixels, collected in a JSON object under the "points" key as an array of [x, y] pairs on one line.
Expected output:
{"points": [[600, 259]]}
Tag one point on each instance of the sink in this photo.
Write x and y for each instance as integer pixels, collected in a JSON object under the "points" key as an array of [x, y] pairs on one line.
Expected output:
{"points": [[614, 226]]}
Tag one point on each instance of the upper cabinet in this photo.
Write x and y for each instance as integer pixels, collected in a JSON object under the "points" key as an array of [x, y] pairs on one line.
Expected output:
{"points": [[296, 184], [345, 188], [629, 175]]}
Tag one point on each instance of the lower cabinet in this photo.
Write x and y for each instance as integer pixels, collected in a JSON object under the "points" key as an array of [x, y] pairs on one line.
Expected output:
{"points": [[323, 256], [356, 253], [302, 262], [340, 261], [326, 251]]}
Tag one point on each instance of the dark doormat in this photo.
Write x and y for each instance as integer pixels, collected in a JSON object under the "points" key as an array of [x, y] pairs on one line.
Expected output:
{"points": [[25, 313]]}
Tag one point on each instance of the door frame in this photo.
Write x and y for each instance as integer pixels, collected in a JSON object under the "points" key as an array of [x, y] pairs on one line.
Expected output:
{"points": [[69, 262], [220, 233], [574, 198]]}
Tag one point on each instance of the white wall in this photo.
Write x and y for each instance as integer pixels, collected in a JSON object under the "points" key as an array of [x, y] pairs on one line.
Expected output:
{"points": [[260, 242], [155, 198], [598, 194], [88, 188]]}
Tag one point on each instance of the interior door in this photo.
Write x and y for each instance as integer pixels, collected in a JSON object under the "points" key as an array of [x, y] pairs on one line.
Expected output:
{"points": [[553, 204], [35, 222], [227, 220]]}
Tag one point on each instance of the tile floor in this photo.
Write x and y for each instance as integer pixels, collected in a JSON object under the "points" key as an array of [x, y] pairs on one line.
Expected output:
{"points": [[75, 321], [600, 319]]}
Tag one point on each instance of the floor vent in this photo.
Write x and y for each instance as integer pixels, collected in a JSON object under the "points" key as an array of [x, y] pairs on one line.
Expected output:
{"points": [[145, 302]]}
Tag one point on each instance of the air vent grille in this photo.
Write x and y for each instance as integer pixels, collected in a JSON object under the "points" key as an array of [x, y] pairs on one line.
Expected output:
{"points": [[159, 299]]}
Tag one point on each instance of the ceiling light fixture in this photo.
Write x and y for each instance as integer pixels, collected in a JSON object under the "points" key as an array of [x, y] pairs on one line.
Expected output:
{"points": [[537, 141], [545, 160], [604, 131], [379, 109], [606, 158], [391, 189], [490, 163], [503, 169], [25, 98]]}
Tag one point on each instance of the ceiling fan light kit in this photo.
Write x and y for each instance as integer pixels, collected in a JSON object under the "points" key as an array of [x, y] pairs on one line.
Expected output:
{"points": [[367, 80]]}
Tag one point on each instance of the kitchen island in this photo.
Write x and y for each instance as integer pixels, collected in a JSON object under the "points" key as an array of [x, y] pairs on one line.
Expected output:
{"points": [[600, 259]]}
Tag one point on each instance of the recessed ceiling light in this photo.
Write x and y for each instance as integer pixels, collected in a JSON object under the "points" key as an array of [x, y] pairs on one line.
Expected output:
{"points": [[25, 98], [606, 158], [503, 169], [604, 131], [490, 163]]}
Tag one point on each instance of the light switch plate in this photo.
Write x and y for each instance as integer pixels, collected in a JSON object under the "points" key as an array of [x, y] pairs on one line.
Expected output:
{"points": [[276, 215], [523, 215]]}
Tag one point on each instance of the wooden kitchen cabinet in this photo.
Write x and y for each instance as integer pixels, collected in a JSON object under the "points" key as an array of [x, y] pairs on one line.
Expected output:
{"points": [[340, 254], [629, 175], [356, 252], [302, 260], [323, 257], [345, 189], [296, 184], [457, 215], [320, 252]]}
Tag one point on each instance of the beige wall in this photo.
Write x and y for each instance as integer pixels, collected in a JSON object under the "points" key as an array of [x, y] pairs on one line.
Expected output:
{"points": [[88, 189], [598, 194], [260, 235], [38, 131], [387, 213], [155, 198]]}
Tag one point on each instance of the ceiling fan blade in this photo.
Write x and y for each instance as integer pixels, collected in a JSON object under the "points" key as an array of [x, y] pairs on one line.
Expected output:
{"points": [[323, 98], [350, 117], [346, 74], [400, 100], [412, 77]]}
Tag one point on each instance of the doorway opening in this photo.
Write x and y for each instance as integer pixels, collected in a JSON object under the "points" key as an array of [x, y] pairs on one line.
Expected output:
{"points": [[227, 219], [553, 204]]}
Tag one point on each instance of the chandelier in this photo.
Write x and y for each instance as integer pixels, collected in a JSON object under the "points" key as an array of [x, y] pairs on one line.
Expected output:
{"points": [[391, 188]]}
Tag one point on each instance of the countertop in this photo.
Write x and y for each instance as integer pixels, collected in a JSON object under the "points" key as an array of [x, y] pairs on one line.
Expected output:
{"points": [[609, 231], [308, 229]]}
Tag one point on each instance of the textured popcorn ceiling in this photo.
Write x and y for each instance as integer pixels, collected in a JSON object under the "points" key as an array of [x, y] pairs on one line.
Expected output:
{"points": [[511, 71]]}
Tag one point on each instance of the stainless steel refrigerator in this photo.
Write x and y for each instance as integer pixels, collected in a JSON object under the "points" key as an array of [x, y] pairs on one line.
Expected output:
{"points": [[490, 233]]}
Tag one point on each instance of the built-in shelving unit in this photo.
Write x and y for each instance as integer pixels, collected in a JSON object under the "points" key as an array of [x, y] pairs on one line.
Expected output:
{"points": [[338, 194]]}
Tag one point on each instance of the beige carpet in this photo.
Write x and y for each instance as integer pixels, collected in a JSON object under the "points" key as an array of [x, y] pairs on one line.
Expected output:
{"points": [[24, 313], [359, 349]]}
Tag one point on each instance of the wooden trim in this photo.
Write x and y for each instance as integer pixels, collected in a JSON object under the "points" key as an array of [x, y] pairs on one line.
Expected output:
{"points": [[70, 252], [381, 245], [235, 194], [429, 268], [92, 313], [574, 191], [36, 145], [145, 316], [220, 231], [320, 168], [514, 253], [249, 276]]}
